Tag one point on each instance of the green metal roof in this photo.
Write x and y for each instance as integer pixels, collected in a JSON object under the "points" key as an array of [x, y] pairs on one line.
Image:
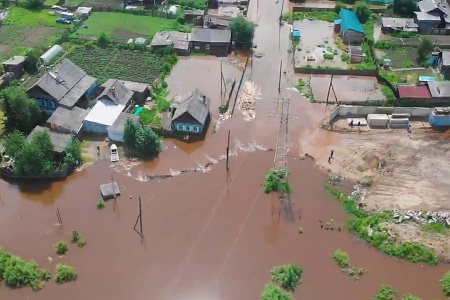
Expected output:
{"points": [[350, 21]]}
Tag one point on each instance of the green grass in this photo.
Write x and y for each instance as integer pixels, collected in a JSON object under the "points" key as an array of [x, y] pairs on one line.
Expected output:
{"points": [[380, 238], [327, 16], [388, 93], [400, 55], [147, 115], [25, 17], [51, 2], [341, 258], [436, 228], [124, 26]]}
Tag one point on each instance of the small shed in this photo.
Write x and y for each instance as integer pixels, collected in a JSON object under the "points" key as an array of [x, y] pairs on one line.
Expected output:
{"points": [[67, 15], [67, 120], [83, 12], [352, 31], [116, 130], [59, 140], [51, 54], [109, 190], [413, 91], [296, 35], [444, 64], [16, 65], [440, 116], [140, 41], [425, 79], [102, 115], [356, 54], [173, 10], [337, 26]]}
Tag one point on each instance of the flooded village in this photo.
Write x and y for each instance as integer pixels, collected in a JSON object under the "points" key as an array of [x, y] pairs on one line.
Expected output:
{"points": [[224, 150]]}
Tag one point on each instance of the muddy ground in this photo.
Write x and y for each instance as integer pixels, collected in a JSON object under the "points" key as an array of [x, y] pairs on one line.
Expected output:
{"points": [[408, 172]]}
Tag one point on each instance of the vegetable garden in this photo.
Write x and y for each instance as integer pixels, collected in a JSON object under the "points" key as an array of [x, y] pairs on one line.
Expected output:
{"points": [[107, 63]]}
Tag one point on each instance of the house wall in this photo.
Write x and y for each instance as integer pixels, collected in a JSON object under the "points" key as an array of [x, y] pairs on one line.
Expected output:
{"points": [[187, 127], [47, 105], [91, 90], [218, 49], [94, 127], [116, 136], [352, 37]]}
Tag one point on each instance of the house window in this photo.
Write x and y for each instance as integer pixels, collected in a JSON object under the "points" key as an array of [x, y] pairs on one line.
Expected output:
{"points": [[197, 47], [42, 103], [51, 104], [207, 47], [180, 127], [195, 128]]}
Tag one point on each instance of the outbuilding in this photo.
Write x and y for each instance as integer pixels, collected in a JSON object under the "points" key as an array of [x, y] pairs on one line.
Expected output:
{"points": [[116, 130], [352, 31], [50, 55], [211, 41], [103, 114]]}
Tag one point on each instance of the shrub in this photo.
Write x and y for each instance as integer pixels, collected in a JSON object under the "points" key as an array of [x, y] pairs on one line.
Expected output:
{"points": [[287, 276], [410, 297], [65, 273], [338, 7], [77, 239], [341, 258], [18, 273], [274, 182], [274, 292], [387, 93], [143, 140], [328, 56], [386, 292], [445, 284], [100, 204], [61, 248], [408, 64], [436, 228]]}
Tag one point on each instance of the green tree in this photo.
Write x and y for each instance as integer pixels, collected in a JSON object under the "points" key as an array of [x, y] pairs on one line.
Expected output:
{"points": [[32, 60], [61, 248], [341, 258], [386, 292], [15, 141], [404, 8], [73, 153], [445, 284], [362, 11], [22, 113], [41, 140], [143, 140], [423, 50], [274, 292], [243, 31], [287, 276], [33, 4], [103, 40], [31, 161], [339, 6]]}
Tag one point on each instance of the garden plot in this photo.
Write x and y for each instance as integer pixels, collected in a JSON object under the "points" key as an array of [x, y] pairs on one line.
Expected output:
{"points": [[401, 57], [109, 63], [347, 88], [124, 26], [317, 46]]}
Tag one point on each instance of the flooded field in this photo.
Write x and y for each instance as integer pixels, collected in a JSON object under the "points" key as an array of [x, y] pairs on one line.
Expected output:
{"points": [[347, 88], [208, 233]]}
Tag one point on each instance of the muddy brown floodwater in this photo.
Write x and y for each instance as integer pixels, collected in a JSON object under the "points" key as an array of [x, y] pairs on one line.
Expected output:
{"points": [[208, 235]]}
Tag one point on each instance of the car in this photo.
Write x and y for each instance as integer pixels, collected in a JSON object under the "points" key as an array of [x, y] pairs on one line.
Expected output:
{"points": [[63, 21]]}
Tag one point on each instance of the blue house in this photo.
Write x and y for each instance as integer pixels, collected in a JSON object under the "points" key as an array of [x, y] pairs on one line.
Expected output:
{"points": [[66, 85], [192, 114], [352, 32], [439, 117]]}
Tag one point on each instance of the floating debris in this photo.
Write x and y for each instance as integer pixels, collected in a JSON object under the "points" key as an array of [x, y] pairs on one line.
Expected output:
{"points": [[422, 217]]}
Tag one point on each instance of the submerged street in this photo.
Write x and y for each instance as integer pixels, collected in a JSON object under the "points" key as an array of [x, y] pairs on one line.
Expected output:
{"points": [[212, 235]]}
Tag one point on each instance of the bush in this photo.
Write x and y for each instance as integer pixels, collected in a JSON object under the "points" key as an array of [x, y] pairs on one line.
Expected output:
{"points": [[274, 182], [61, 248], [141, 139], [339, 6], [445, 284], [388, 93], [287, 276], [436, 228], [408, 64], [65, 273], [274, 292], [410, 297], [242, 33], [362, 11], [341, 258], [386, 292], [328, 56], [77, 239], [18, 272], [100, 204]]}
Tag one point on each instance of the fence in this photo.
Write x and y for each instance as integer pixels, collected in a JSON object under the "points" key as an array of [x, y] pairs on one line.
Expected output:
{"points": [[336, 71], [352, 110]]}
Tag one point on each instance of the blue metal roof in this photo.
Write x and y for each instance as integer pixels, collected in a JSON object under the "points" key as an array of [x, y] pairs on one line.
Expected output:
{"points": [[350, 21], [427, 78], [337, 21], [296, 33]]}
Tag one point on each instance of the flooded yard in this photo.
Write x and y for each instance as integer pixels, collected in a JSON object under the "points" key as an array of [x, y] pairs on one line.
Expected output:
{"points": [[317, 46], [347, 88]]}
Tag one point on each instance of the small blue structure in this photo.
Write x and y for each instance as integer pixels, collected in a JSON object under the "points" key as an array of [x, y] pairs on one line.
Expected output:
{"points": [[338, 21], [296, 35], [138, 110], [352, 31], [439, 117], [425, 79]]}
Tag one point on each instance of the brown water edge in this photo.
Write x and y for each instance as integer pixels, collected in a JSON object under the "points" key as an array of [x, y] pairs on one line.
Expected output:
{"points": [[203, 241]]}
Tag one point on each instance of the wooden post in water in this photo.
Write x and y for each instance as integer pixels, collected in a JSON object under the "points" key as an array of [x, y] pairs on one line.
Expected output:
{"points": [[279, 78], [228, 147], [221, 82], [329, 88], [58, 215], [140, 218]]}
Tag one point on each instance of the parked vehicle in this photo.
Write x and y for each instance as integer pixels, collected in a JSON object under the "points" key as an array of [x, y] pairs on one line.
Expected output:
{"points": [[63, 21]]}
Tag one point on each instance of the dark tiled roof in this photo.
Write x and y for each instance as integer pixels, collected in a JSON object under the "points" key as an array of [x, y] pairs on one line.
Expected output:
{"points": [[208, 35], [117, 92], [67, 118], [196, 104]]}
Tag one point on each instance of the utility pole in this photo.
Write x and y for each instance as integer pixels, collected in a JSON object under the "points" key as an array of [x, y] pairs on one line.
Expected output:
{"points": [[228, 148], [114, 192], [279, 78], [221, 81], [139, 219]]}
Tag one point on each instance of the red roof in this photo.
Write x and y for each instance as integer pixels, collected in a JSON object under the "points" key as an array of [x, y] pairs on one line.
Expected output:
{"points": [[412, 91]]}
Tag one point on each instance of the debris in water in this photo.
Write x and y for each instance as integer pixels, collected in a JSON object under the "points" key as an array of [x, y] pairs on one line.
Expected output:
{"points": [[247, 100]]}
